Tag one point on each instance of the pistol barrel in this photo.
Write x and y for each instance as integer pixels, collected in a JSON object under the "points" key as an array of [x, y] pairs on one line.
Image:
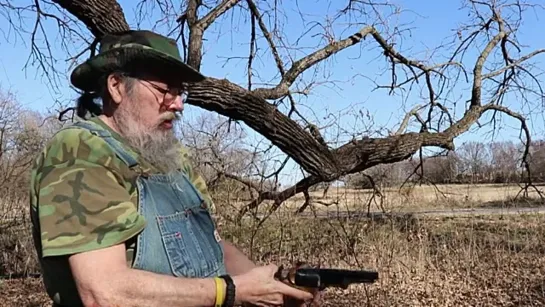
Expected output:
{"points": [[323, 278]]}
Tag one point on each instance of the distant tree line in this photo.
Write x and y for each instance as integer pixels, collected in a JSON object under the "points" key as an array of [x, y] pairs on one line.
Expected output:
{"points": [[471, 163]]}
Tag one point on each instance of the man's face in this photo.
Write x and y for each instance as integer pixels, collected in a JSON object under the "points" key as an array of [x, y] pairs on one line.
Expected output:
{"points": [[145, 116], [152, 105]]}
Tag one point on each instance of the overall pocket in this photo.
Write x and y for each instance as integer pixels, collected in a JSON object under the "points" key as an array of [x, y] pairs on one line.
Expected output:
{"points": [[187, 253]]}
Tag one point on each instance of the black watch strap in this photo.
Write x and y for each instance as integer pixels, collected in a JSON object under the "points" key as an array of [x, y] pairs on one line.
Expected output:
{"points": [[230, 291]]}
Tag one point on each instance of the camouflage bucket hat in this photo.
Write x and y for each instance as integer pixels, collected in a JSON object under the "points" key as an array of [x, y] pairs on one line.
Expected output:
{"points": [[131, 51]]}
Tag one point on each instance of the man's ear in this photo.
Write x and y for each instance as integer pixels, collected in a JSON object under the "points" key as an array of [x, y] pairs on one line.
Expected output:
{"points": [[116, 88]]}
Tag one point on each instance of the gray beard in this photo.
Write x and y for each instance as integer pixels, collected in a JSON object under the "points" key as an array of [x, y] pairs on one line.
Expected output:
{"points": [[159, 148]]}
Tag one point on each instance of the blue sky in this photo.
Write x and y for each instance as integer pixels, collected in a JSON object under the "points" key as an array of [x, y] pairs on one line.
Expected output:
{"points": [[430, 22]]}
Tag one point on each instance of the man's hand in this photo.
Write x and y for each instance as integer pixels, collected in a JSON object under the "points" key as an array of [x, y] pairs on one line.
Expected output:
{"points": [[258, 287], [315, 302]]}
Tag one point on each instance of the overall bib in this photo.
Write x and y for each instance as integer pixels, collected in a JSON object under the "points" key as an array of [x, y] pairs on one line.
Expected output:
{"points": [[179, 238]]}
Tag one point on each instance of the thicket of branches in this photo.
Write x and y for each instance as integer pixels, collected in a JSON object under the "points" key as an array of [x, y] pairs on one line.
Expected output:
{"points": [[23, 133], [483, 57]]}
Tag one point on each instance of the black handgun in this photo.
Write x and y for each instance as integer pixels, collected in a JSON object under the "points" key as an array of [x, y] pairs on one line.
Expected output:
{"points": [[318, 278]]}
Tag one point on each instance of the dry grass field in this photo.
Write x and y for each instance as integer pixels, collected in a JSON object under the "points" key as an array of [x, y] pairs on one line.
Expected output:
{"points": [[454, 261], [414, 198]]}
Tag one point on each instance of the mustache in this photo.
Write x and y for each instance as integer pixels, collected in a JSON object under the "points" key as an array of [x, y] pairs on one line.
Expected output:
{"points": [[169, 116]]}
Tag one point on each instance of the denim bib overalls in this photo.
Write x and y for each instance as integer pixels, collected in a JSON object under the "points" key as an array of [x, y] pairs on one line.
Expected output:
{"points": [[180, 238]]}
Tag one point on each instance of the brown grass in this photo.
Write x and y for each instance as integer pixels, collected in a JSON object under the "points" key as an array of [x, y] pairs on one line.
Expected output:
{"points": [[17, 254], [411, 198], [434, 262], [464, 261]]}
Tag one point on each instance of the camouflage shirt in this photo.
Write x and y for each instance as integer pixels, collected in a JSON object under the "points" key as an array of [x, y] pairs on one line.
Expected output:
{"points": [[83, 197]]}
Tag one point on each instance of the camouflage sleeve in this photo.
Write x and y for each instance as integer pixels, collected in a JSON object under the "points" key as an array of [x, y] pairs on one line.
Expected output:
{"points": [[197, 180], [83, 201]]}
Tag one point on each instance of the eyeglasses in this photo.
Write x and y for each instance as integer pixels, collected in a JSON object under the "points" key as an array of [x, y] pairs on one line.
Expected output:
{"points": [[169, 94]]}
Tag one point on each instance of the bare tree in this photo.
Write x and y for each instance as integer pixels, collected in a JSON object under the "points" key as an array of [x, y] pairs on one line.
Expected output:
{"points": [[22, 135], [11, 162], [537, 160], [475, 161], [221, 155], [506, 158], [442, 169], [502, 67]]}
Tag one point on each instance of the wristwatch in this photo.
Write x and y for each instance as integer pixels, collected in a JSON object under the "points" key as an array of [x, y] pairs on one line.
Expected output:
{"points": [[230, 291]]}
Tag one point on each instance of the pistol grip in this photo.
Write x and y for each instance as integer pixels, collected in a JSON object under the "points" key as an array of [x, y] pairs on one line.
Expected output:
{"points": [[287, 276]]}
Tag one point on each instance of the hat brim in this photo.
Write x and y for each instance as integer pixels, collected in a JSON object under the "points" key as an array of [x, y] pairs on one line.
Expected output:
{"points": [[133, 60]]}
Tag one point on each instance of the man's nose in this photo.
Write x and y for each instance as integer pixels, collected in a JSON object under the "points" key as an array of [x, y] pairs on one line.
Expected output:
{"points": [[177, 105]]}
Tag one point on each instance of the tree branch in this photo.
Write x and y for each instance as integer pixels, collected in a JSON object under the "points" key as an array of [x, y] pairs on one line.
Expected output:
{"points": [[221, 8], [405, 121], [100, 16], [477, 71], [303, 64], [191, 12], [513, 64], [268, 36]]}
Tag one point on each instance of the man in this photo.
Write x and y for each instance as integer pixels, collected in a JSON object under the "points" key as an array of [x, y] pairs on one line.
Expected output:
{"points": [[119, 218]]}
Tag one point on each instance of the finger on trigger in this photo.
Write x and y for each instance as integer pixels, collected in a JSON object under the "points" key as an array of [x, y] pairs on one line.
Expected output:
{"points": [[294, 292]]}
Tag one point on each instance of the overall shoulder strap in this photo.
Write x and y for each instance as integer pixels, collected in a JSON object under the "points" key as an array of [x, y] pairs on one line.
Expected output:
{"points": [[99, 131]]}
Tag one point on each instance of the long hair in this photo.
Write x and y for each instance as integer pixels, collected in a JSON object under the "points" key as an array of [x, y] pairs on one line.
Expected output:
{"points": [[87, 104]]}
